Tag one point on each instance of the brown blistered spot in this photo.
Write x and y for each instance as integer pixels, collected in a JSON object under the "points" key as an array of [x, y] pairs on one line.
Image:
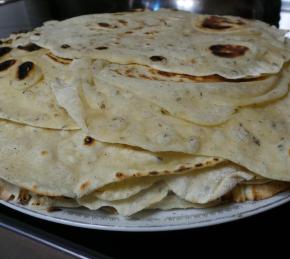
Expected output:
{"points": [[44, 152], [53, 209], [203, 79], [85, 185], [153, 173], [256, 141], [7, 64], [4, 51], [121, 175], [104, 24], [36, 203], [143, 76], [88, 141], [216, 159], [164, 112], [228, 50], [198, 165], [24, 70], [60, 60], [128, 72], [65, 46], [123, 22], [29, 47], [11, 197], [280, 146], [24, 197], [101, 48], [150, 32], [163, 73], [128, 32], [273, 124], [255, 194], [109, 210], [134, 175], [181, 169], [7, 41], [157, 58], [219, 23]]}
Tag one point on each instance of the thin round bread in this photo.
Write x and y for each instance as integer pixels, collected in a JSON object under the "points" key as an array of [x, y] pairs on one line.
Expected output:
{"points": [[258, 133], [201, 100], [241, 49], [25, 93], [72, 164]]}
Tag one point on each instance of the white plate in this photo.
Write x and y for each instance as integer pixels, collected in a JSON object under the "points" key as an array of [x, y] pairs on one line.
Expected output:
{"points": [[153, 220]]}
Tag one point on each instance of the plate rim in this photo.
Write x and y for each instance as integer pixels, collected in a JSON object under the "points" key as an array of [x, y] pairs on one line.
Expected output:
{"points": [[285, 198]]}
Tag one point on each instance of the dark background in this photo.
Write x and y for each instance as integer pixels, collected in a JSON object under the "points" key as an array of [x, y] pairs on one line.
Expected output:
{"points": [[267, 232], [235, 238], [26, 14], [260, 9]]}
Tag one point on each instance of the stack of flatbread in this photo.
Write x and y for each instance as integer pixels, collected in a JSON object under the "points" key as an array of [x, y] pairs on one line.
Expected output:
{"points": [[144, 110]]}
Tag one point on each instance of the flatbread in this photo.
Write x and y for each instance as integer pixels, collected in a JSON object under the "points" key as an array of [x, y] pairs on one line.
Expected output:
{"points": [[172, 201], [71, 164], [197, 186], [256, 137], [115, 116], [242, 193], [138, 202], [132, 205], [13, 193], [243, 48], [202, 100], [25, 95], [207, 185], [126, 188], [228, 73]]}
